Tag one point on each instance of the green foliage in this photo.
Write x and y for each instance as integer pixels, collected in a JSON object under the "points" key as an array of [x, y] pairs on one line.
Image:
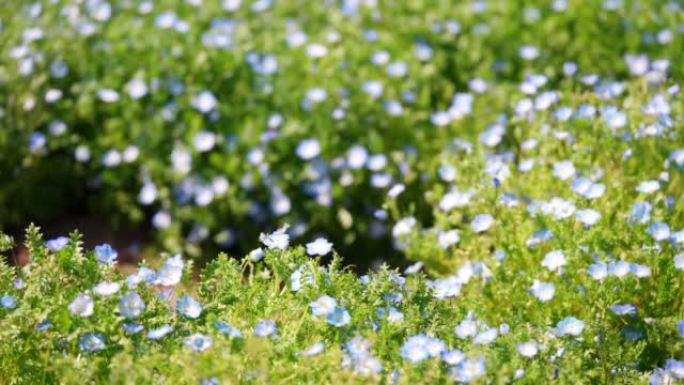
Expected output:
{"points": [[243, 292]]}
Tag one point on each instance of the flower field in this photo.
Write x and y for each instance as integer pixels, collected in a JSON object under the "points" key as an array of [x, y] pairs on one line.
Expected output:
{"points": [[354, 191]]}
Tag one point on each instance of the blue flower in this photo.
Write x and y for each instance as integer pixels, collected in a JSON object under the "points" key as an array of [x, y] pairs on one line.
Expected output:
{"points": [[357, 347], [159, 332], [91, 342], [264, 328], [452, 357], [132, 327], [570, 326], [131, 305], [339, 317], [680, 327], [190, 308], [8, 301], [659, 231], [420, 347], [198, 342], [641, 212], [106, 254], [628, 309], [43, 325], [227, 329], [544, 291], [171, 272], [676, 368], [323, 306], [314, 349], [468, 370], [57, 244], [210, 381], [82, 306]]}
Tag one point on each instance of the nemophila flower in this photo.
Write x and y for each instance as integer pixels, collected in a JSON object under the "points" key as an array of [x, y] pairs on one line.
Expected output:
{"points": [[367, 366], [648, 187], [414, 268], [57, 244], [189, 307], [204, 102], [587, 188], [640, 271], [106, 288], [227, 329], [452, 357], [301, 276], [111, 158], [676, 368], [106, 254], [320, 246], [558, 208], [210, 381], [82, 306], [91, 342], [466, 328], [486, 336], [130, 154], [264, 328], [171, 272], [445, 288], [661, 377], [339, 317], [641, 212], [659, 231], [396, 190], [131, 305], [445, 239], [144, 274], [391, 314], [8, 302], [481, 223], [108, 95], [148, 193], [256, 255], [132, 327], [554, 260], [539, 237], [420, 347], [19, 283], [628, 309], [357, 347], [160, 332], [314, 349], [82, 153], [598, 271], [198, 342], [528, 349], [564, 170], [544, 291], [468, 370], [680, 327], [57, 127], [679, 261], [204, 141], [618, 268], [43, 325], [136, 88], [455, 198], [588, 217], [323, 306], [277, 240], [570, 326]]}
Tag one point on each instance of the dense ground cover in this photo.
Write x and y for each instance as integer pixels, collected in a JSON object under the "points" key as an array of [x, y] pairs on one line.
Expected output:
{"points": [[519, 165]]}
